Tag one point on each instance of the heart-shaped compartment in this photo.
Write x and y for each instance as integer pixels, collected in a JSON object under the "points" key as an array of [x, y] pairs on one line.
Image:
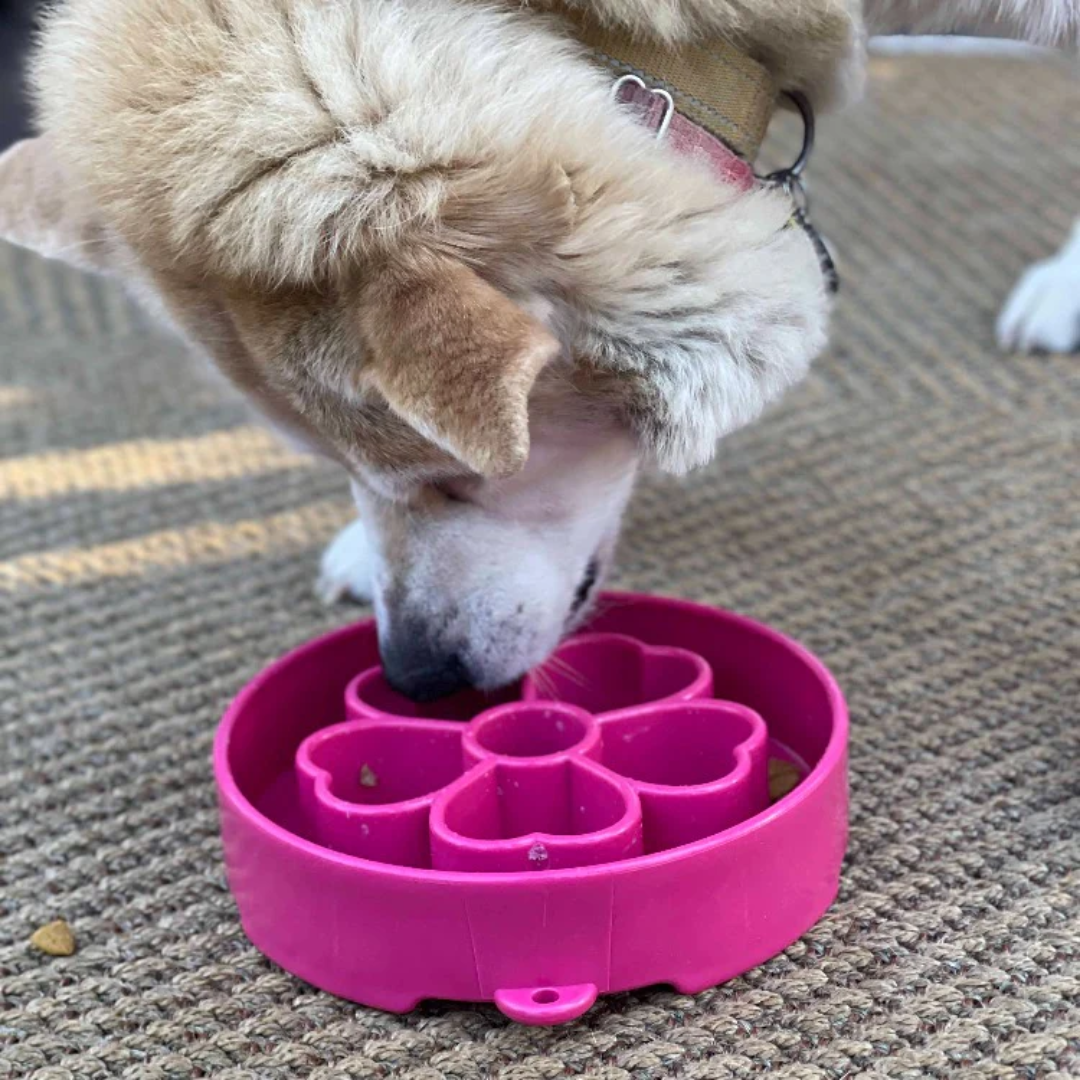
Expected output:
{"points": [[366, 787], [667, 773], [603, 673], [543, 814], [370, 696], [699, 767]]}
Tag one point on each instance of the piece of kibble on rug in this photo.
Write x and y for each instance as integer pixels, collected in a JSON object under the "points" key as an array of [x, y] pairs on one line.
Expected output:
{"points": [[783, 778], [54, 939]]}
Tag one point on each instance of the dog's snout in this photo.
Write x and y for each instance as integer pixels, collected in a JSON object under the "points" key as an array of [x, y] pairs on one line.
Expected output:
{"points": [[421, 671]]}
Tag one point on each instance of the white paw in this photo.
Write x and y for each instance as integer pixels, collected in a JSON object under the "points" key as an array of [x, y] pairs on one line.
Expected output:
{"points": [[1043, 312], [347, 570]]}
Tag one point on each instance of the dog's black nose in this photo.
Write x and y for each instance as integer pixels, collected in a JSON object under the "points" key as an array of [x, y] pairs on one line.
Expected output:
{"points": [[420, 672]]}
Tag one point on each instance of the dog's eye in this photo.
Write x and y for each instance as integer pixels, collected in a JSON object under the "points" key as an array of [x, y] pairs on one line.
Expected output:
{"points": [[586, 585], [452, 492]]}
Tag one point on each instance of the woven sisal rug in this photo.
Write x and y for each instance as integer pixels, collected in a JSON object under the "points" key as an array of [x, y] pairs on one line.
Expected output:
{"points": [[912, 513]]}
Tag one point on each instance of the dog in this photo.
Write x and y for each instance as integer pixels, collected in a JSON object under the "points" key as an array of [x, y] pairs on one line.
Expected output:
{"points": [[425, 239]]}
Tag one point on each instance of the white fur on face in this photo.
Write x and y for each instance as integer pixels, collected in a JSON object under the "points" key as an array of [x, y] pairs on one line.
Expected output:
{"points": [[491, 570]]}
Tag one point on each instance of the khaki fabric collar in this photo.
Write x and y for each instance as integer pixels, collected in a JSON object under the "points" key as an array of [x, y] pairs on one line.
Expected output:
{"points": [[713, 83]]}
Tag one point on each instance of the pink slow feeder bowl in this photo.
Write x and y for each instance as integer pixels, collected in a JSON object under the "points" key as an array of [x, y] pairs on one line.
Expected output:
{"points": [[605, 825]]}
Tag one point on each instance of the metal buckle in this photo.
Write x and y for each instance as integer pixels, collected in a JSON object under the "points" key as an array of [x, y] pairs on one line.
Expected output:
{"points": [[669, 101]]}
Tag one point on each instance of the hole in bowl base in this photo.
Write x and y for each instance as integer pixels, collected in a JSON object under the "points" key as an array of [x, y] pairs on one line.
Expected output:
{"points": [[546, 1005]]}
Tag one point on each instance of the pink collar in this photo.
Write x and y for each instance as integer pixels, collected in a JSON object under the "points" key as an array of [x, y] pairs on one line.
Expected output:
{"points": [[685, 137]]}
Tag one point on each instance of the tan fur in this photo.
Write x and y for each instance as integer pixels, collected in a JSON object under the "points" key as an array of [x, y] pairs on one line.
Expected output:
{"points": [[273, 148], [294, 353], [455, 358], [423, 239]]}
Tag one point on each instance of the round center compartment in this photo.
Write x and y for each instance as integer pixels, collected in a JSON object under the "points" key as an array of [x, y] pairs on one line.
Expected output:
{"points": [[527, 731]]}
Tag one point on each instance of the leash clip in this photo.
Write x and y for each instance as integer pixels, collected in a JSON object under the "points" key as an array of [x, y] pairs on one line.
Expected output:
{"points": [[790, 180]]}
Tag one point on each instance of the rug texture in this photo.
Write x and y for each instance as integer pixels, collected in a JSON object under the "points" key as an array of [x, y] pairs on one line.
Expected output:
{"points": [[912, 513]]}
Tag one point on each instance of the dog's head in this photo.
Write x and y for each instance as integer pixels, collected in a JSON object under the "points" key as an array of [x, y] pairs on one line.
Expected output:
{"points": [[426, 242]]}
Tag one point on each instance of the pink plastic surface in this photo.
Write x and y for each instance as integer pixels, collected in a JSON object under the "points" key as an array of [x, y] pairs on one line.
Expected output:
{"points": [[603, 826]]}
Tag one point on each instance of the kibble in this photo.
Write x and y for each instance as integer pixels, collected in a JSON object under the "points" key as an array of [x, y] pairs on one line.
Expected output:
{"points": [[54, 939], [783, 778]]}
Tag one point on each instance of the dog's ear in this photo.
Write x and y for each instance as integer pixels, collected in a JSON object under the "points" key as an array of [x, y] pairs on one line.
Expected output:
{"points": [[455, 358], [40, 210]]}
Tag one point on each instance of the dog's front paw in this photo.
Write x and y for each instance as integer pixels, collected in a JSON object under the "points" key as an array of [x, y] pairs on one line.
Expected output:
{"points": [[1043, 312], [347, 570]]}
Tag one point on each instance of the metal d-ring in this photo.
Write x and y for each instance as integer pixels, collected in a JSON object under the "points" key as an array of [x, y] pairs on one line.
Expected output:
{"points": [[791, 182], [790, 178], [669, 101], [806, 111]]}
